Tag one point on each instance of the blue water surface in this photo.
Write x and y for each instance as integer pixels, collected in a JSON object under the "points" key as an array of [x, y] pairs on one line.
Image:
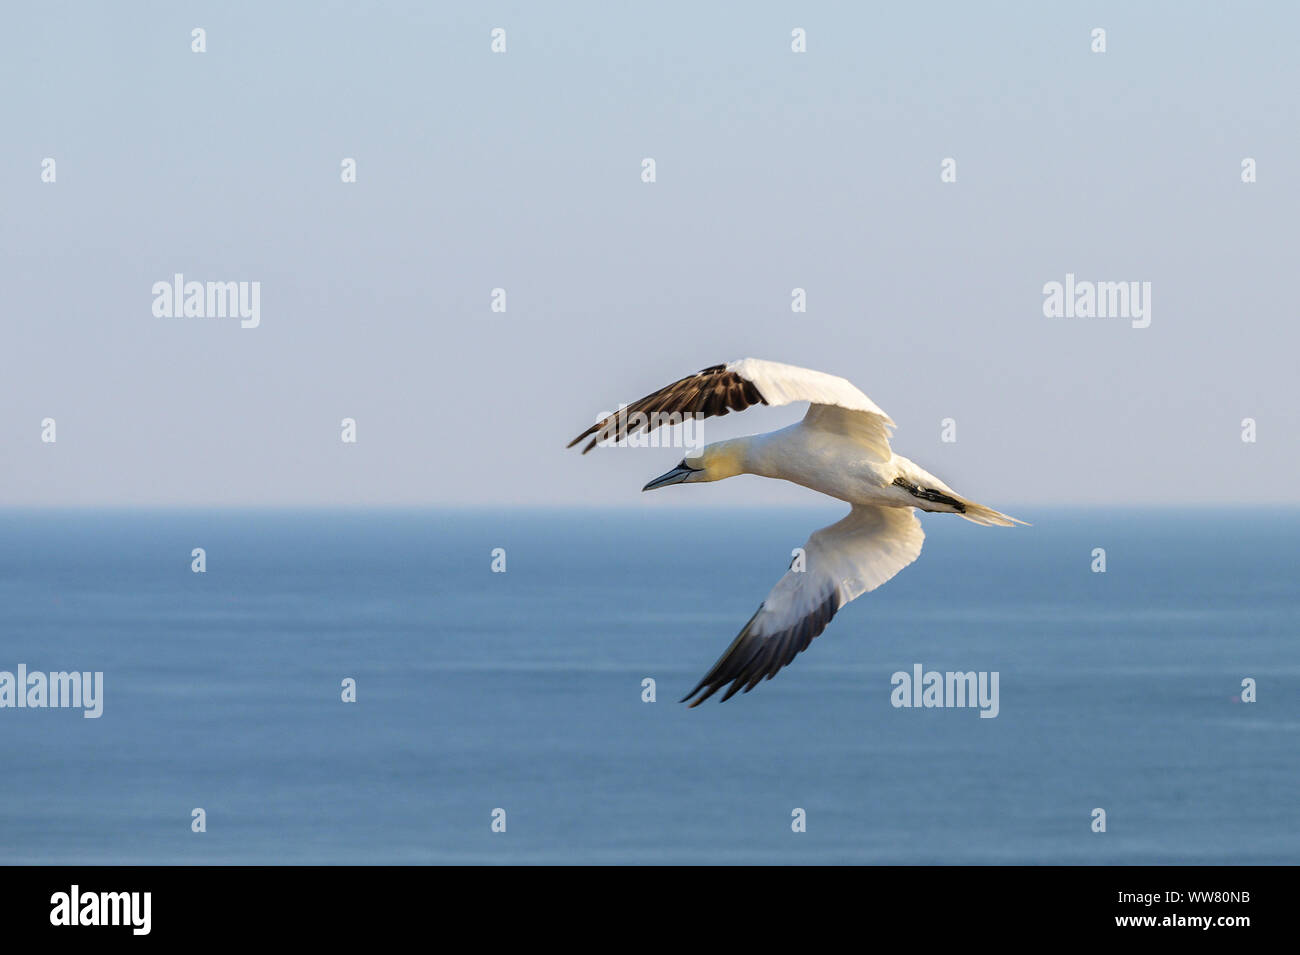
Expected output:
{"points": [[523, 691]]}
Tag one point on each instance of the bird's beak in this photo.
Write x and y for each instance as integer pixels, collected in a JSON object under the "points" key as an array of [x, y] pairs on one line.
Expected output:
{"points": [[676, 476]]}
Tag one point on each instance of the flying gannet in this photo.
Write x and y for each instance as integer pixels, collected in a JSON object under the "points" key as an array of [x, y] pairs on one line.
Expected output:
{"points": [[840, 448]]}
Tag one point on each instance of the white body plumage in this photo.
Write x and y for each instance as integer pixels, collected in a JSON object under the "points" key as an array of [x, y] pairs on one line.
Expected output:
{"points": [[841, 449]]}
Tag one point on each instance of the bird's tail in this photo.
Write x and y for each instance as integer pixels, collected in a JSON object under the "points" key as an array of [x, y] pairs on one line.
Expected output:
{"points": [[980, 514]]}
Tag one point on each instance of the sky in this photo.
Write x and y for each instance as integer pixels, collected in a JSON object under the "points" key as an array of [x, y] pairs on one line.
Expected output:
{"points": [[522, 170]]}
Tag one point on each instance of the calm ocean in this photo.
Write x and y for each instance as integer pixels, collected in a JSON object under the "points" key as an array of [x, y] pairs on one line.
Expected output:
{"points": [[522, 691]]}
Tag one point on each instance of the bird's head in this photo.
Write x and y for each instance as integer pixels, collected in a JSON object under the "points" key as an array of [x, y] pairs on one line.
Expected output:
{"points": [[713, 462]]}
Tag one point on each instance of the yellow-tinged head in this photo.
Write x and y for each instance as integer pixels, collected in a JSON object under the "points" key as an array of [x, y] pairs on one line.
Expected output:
{"points": [[722, 459]]}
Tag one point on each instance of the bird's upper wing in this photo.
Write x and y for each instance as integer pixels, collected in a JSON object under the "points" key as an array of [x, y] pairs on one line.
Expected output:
{"points": [[836, 404], [841, 562]]}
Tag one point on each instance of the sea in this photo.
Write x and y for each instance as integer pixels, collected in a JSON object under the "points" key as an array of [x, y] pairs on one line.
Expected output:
{"points": [[516, 674]]}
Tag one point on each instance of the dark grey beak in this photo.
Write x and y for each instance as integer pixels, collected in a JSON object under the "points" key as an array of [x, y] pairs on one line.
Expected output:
{"points": [[676, 476]]}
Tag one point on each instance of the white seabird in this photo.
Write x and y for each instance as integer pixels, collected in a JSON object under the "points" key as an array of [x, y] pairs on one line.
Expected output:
{"points": [[840, 448]]}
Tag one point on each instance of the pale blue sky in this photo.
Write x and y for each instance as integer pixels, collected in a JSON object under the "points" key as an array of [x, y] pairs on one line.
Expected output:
{"points": [[522, 171]]}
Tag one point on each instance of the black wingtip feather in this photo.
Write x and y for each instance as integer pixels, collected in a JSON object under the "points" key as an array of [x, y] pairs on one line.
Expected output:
{"points": [[712, 392], [750, 659]]}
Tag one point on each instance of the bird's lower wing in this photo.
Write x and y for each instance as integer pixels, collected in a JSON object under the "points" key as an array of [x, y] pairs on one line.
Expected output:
{"points": [[841, 562]]}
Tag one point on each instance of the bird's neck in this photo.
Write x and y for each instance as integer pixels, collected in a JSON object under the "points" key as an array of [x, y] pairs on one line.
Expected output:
{"points": [[729, 458]]}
